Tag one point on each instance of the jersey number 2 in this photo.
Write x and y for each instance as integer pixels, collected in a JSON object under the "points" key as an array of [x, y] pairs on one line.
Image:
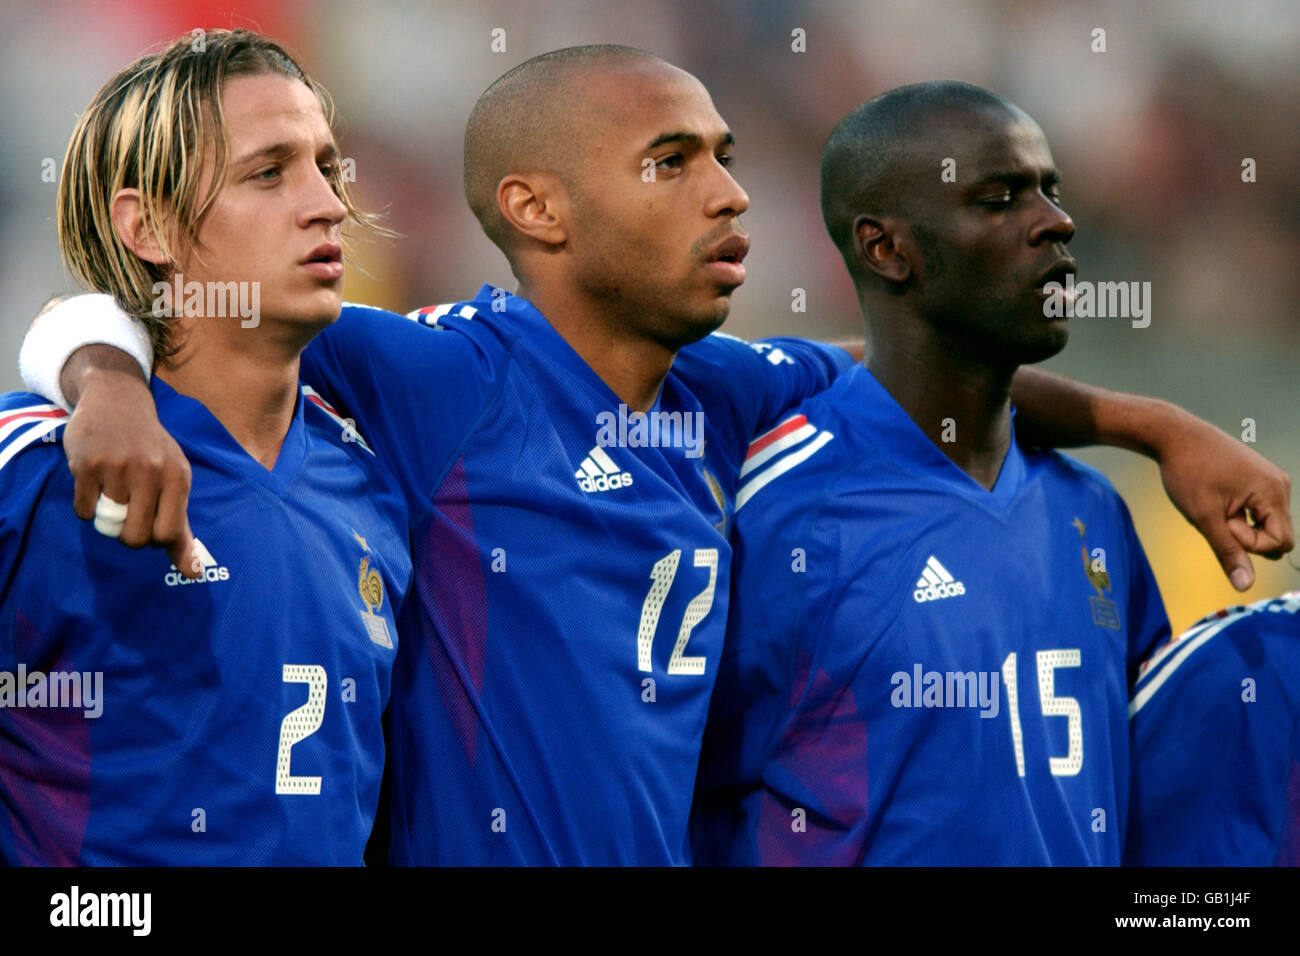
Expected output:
{"points": [[662, 575], [299, 725]]}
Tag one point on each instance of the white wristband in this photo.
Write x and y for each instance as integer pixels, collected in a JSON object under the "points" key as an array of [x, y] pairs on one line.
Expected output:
{"points": [[81, 320]]}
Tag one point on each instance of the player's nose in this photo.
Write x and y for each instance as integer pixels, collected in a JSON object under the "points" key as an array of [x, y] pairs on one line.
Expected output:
{"points": [[1055, 225], [726, 195], [322, 203]]}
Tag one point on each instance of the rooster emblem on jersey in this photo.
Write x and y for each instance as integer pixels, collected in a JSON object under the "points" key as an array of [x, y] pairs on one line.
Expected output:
{"points": [[371, 586], [1105, 612]]}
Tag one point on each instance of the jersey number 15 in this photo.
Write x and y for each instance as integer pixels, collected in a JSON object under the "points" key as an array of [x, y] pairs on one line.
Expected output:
{"points": [[1053, 706]]}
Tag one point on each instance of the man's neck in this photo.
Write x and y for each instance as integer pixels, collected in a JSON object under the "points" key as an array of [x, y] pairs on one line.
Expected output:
{"points": [[961, 403], [633, 366], [251, 391]]}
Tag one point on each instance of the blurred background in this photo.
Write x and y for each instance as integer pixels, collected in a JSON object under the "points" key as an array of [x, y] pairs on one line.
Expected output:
{"points": [[1150, 136]]}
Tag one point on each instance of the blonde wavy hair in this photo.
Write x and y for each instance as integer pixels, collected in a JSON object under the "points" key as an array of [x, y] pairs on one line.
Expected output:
{"points": [[149, 128]]}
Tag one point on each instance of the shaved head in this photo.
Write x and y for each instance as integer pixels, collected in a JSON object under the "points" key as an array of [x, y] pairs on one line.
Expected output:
{"points": [[601, 172], [530, 120], [880, 153]]}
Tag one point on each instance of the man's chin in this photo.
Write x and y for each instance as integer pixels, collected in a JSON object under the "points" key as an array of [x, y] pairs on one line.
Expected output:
{"points": [[714, 318], [689, 329], [321, 307], [1051, 343]]}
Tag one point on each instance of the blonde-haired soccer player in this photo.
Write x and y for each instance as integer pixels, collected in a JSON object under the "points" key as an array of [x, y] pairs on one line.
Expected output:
{"points": [[226, 710]]}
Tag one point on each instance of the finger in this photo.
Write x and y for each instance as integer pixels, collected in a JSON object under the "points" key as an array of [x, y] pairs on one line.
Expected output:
{"points": [[171, 528], [85, 494], [184, 556], [142, 501], [109, 516], [1276, 525], [1257, 539], [112, 485], [1232, 556]]}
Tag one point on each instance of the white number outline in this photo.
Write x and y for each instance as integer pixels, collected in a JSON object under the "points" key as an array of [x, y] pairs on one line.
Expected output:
{"points": [[1067, 707], [1052, 706], [662, 575], [298, 725]]}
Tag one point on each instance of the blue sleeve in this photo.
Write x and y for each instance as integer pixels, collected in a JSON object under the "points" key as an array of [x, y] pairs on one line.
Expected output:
{"points": [[415, 392], [746, 387]]}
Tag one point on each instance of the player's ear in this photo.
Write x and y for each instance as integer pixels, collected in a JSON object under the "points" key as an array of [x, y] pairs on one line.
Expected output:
{"points": [[127, 212], [536, 205], [873, 240]]}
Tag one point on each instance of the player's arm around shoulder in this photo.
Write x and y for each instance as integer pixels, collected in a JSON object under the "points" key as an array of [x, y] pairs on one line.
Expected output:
{"points": [[415, 387], [745, 387], [1237, 499]]}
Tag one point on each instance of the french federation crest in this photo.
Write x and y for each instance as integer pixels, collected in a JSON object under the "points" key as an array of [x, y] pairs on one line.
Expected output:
{"points": [[371, 586], [1105, 612]]}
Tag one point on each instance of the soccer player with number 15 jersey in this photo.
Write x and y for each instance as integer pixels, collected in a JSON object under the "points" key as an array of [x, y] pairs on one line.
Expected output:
{"points": [[933, 629]]}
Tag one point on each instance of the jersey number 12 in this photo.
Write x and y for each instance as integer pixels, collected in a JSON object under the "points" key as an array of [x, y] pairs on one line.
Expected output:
{"points": [[662, 575]]}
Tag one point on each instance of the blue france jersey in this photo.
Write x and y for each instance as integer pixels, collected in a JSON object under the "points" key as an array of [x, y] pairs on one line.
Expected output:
{"points": [[146, 719], [571, 574], [917, 670], [1215, 723]]}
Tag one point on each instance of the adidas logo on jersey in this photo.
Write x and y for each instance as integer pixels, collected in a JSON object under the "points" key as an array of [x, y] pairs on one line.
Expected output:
{"points": [[211, 570], [935, 583], [599, 473]]}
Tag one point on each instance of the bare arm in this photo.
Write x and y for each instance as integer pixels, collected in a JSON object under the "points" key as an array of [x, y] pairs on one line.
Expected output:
{"points": [[1236, 498]]}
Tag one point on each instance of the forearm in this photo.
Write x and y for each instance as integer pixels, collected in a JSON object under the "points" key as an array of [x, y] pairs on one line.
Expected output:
{"points": [[856, 348], [92, 363], [1056, 412]]}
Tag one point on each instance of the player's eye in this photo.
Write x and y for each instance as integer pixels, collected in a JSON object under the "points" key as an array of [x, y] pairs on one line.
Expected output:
{"points": [[1001, 202], [726, 161], [673, 161], [266, 175]]}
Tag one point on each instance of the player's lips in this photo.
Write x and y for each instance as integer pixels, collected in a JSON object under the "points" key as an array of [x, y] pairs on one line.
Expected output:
{"points": [[325, 261], [725, 261], [1058, 273]]}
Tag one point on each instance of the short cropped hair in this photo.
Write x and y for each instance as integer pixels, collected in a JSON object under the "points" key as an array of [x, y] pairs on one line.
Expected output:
{"points": [[869, 164], [524, 122]]}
